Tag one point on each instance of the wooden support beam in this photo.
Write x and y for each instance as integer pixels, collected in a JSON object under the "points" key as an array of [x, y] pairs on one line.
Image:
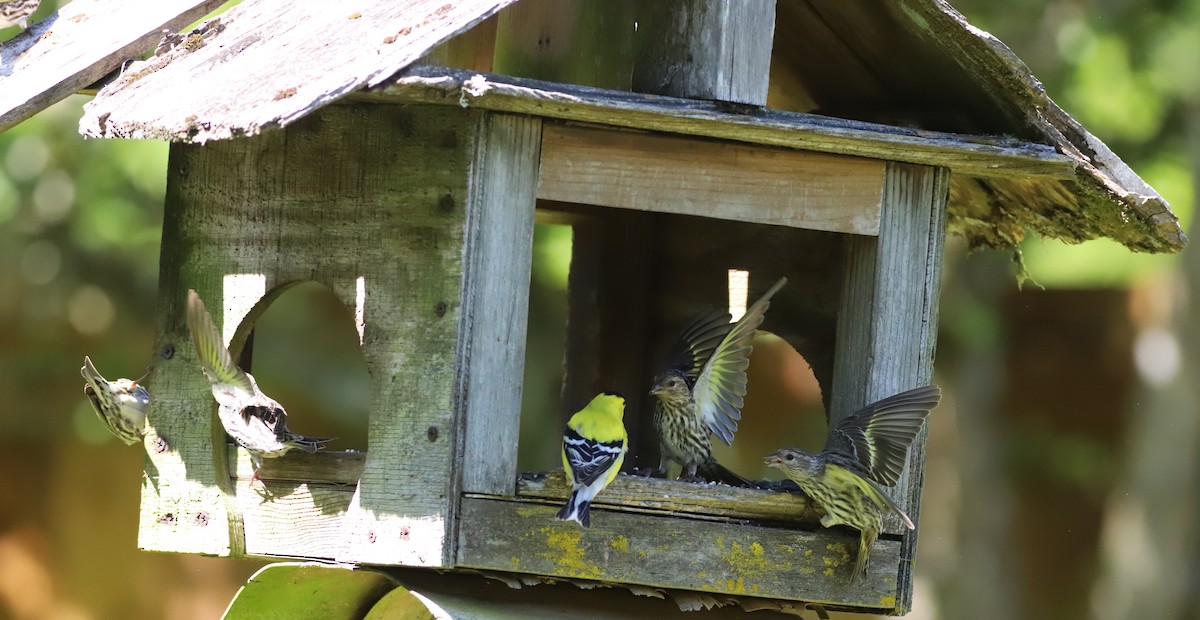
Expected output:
{"points": [[665, 551], [705, 49], [887, 325], [979, 156], [723, 180], [501, 210]]}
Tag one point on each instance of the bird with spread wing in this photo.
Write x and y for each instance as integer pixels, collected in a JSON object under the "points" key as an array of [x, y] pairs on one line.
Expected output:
{"points": [[863, 452], [700, 391], [254, 420]]}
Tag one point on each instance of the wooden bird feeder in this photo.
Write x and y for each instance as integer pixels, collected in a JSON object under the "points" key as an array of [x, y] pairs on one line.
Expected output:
{"points": [[832, 142]]}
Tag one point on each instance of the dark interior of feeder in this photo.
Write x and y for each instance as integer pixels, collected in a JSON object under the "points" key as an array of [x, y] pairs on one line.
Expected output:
{"points": [[304, 352], [610, 290]]}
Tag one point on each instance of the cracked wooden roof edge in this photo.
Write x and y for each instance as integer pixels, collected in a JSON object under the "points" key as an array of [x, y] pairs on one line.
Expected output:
{"points": [[266, 63], [1102, 175], [1108, 198]]}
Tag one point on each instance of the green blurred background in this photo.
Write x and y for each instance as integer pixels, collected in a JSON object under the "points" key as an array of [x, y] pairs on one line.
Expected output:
{"points": [[1065, 489]]}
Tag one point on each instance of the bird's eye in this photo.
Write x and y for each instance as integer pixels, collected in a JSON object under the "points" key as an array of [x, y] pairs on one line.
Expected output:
{"points": [[789, 457]]}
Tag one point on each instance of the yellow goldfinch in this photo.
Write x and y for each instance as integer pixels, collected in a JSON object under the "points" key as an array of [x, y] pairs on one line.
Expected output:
{"points": [[594, 446]]}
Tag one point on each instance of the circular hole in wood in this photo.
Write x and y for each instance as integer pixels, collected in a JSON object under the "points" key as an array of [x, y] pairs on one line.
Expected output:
{"points": [[306, 355]]}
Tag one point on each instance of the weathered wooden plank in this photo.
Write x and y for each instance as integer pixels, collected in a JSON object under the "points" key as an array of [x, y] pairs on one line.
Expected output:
{"points": [[885, 341], [501, 207], [294, 520], [705, 49], [723, 180], [326, 467], [472, 50], [267, 63], [368, 200], [684, 498], [973, 155], [670, 552], [79, 44], [587, 42]]}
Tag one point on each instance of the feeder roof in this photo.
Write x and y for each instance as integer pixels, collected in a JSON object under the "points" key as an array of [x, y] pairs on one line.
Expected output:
{"points": [[906, 70]]}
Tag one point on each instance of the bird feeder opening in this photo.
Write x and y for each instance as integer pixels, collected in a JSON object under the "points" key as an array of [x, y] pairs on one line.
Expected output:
{"points": [[301, 344]]}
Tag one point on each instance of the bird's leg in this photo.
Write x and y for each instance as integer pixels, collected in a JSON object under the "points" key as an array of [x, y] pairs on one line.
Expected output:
{"points": [[688, 474]]}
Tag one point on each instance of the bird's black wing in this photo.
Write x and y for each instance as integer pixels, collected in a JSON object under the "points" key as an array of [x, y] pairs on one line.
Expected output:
{"points": [[696, 343], [589, 458], [876, 438]]}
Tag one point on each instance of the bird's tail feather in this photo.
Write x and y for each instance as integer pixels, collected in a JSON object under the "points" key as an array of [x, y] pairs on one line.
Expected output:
{"points": [[576, 510], [716, 472], [864, 555]]}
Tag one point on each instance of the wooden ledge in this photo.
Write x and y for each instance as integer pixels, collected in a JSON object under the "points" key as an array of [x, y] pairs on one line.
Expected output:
{"points": [[979, 156]]}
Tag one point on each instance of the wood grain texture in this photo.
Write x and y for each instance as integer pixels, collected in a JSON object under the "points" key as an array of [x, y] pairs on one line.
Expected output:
{"points": [[375, 193], [723, 180], [982, 156], [673, 552], [588, 42], [80, 43], [703, 501], [500, 215], [705, 49], [268, 63], [885, 341]]}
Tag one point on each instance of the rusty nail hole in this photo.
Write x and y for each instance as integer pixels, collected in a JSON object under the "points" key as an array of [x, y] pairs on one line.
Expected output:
{"points": [[440, 309], [160, 445], [446, 203], [404, 533], [167, 352], [202, 519], [432, 433], [371, 536], [167, 519]]}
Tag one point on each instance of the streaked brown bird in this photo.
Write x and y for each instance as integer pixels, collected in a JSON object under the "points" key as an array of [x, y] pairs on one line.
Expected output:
{"points": [[701, 389], [862, 452], [254, 420], [17, 12], [122, 405]]}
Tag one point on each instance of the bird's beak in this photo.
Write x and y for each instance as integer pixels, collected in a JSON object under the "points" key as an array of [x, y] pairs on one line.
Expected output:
{"points": [[772, 461], [656, 390]]}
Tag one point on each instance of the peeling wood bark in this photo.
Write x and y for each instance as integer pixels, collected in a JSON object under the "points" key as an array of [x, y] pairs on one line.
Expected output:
{"points": [[269, 63], [82, 42]]}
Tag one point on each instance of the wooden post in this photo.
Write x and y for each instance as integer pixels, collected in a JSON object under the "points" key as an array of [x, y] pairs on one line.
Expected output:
{"points": [[501, 208], [887, 325], [705, 49]]}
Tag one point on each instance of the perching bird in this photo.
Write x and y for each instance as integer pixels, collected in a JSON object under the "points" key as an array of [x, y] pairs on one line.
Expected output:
{"points": [[701, 388], [121, 404], [593, 449], [253, 419], [862, 452], [17, 12]]}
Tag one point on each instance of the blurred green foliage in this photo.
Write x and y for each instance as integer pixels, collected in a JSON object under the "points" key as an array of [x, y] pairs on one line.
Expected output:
{"points": [[1129, 72]]}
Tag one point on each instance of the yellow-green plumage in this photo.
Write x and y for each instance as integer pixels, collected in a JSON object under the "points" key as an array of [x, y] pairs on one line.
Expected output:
{"points": [[594, 446], [863, 451]]}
